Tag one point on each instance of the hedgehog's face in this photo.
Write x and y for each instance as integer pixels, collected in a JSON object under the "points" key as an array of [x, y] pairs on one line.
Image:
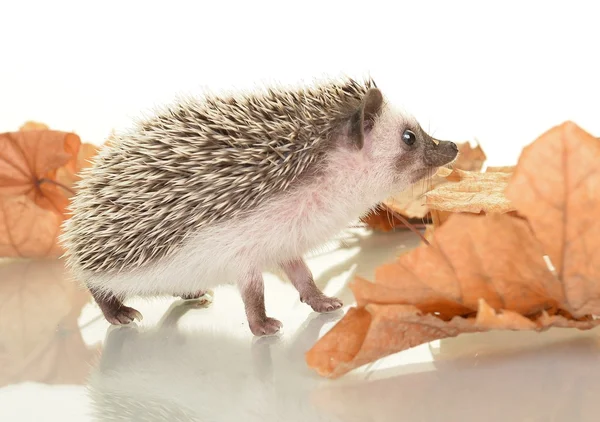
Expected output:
{"points": [[397, 150], [419, 153]]}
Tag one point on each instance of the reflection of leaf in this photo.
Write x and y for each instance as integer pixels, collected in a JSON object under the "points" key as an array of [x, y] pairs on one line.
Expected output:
{"points": [[488, 272], [38, 168], [39, 334]]}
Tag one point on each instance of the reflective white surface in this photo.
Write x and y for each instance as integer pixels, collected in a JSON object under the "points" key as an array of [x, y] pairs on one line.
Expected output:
{"points": [[59, 360]]}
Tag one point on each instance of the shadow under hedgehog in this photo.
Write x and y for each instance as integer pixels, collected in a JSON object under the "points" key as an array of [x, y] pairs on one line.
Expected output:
{"points": [[220, 188]]}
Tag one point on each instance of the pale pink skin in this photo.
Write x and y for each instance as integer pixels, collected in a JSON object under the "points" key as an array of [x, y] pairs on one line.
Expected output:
{"points": [[278, 234]]}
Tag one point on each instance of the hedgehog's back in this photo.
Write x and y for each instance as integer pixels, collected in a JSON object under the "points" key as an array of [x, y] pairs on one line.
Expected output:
{"points": [[196, 163]]}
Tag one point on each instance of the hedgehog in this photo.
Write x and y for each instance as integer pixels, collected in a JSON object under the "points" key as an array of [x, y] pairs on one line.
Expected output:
{"points": [[218, 188]]}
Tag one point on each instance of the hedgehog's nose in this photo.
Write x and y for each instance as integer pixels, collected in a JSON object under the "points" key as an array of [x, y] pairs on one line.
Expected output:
{"points": [[440, 153]]}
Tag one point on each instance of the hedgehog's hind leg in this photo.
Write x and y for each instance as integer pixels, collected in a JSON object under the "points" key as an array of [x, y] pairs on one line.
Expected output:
{"points": [[200, 298], [252, 289], [302, 279], [113, 309], [197, 295]]}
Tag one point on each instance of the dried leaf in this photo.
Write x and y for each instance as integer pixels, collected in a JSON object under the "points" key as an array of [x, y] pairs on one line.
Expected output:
{"points": [[367, 334], [486, 272], [381, 220], [29, 162], [384, 219], [563, 206], [461, 266], [27, 230], [38, 168], [32, 125], [500, 169], [469, 158], [69, 175], [471, 192]]}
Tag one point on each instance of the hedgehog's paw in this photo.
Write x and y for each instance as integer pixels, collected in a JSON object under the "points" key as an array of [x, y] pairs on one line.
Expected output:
{"points": [[113, 309], [200, 298], [321, 303], [265, 326], [122, 315]]}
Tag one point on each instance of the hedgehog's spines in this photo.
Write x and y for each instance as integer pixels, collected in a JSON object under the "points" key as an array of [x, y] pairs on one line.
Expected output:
{"points": [[198, 162]]}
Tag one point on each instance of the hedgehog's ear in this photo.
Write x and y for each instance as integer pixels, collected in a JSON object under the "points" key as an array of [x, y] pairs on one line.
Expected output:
{"points": [[363, 119]]}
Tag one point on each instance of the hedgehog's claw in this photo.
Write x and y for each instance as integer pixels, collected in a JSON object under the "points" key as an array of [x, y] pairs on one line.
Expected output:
{"points": [[265, 326], [302, 279], [113, 309], [200, 294], [123, 315], [322, 304]]}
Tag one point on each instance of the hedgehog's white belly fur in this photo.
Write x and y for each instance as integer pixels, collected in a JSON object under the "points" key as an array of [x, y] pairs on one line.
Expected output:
{"points": [[283, 229]]}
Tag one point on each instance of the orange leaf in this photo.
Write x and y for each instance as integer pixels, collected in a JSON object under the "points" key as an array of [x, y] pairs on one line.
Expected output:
{"points": [[471, 192], [563, 205], [488, 272], [384, 219], [29, 162], [381, 220], [366, 334], [461, 266], [27, 230], [69, 175], [500, 169], [469, 158], [38, 169], [32, 125]]}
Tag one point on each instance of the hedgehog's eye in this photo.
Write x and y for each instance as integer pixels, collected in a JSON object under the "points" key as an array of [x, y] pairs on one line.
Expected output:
{"points": [[409, 137]]}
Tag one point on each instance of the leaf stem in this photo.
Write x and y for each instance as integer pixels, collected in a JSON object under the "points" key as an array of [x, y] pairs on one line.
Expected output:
{"points": [[407, 224], [55, 183]]}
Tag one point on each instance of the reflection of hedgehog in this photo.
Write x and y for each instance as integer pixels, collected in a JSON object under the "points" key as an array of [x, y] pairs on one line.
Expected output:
{"points": [[222, 188]]}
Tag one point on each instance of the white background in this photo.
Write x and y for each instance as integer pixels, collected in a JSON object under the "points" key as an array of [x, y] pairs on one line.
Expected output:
{"points": [[501, 72]]}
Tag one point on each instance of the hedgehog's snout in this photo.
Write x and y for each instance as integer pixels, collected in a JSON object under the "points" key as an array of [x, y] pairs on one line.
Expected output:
{"points": [[439, 153]]}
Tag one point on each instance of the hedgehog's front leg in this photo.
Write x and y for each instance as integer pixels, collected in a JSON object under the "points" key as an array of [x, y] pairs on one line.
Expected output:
{"points": [[301, 277], [252, 289]]}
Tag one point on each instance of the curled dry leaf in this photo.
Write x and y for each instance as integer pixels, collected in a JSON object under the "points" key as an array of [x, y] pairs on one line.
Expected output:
{"points": [[563, 206], [488, 272], [38, 167], [471, 192], [469, 158], [33, 125], [500, 169]]}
